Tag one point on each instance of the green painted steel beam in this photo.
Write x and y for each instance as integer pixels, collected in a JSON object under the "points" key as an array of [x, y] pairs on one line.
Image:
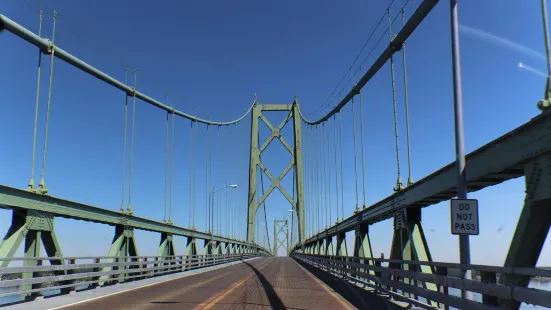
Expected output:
{"points": [[13, 198], [276, 107], [532, 228], [255, 161], [299, 184], [499, 160]]}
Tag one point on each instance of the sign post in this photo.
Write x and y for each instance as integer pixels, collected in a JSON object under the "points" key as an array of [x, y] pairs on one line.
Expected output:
{"points": [[464, 217]]}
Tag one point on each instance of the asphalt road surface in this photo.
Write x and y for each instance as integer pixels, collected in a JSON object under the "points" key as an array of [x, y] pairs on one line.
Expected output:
{"points": [[264, 283]]}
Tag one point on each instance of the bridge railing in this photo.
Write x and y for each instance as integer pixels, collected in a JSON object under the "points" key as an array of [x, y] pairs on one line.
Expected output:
{"points": [[406, 281], [64, 273]]}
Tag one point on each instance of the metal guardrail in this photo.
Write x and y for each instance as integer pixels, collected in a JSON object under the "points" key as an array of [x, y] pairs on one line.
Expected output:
{"points": [[65, 274], [407, 284]]}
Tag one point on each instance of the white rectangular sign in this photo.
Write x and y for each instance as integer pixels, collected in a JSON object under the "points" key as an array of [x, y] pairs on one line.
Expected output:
{"points": [[464, 217]]}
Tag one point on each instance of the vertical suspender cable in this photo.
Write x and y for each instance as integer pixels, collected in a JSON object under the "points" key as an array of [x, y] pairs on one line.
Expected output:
{"points": [[196, 162], [312, 189], [129, 208], [166, 165], [410, 180], [335, 160], [323, 173], [316, 174], [354, 137], [218, 158], [304, 180], [308, 201], [307, 210], [327, 168], [211, 185], [342, 180], [207, 205], [125, 138], [322, 142], [398, 186], [362, 148], [546, 36], [42, 185], [171, 167], [190, 212], [31, 181], [320, 178]]}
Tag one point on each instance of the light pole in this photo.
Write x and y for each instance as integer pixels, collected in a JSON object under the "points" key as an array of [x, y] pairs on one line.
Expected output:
{"points": [[212, 210], [290, 241]]}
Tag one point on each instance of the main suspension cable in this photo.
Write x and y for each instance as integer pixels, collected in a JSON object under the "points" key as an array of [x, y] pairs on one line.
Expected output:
{"points": [[398, 185]]}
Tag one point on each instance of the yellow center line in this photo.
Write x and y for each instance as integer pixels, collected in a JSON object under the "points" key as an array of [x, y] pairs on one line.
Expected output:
{"points": [[209, 303]]}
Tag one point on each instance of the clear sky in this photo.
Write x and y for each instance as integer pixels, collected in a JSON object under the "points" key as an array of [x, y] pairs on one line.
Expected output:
{"points": [[211, 57]]}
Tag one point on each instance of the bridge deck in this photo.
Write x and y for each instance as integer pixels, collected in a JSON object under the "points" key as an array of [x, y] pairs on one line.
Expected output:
{"points": [[264, 283]]}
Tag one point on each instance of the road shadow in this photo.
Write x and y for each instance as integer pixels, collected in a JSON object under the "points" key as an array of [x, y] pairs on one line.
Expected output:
{"points": [[275, 301], [356, 296]]}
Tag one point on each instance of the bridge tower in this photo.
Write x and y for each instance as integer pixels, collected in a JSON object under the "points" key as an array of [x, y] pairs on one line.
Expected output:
{"points": [[297, 202], [279, 227]]}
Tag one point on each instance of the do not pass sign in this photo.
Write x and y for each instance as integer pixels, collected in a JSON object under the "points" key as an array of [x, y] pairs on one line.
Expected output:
{"points": [[464, 217]]}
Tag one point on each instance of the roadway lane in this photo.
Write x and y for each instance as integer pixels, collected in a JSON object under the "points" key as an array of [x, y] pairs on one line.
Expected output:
{"points": [[264, 283]]}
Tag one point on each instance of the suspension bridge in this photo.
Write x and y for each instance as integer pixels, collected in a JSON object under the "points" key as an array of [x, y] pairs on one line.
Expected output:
{"points": [[230, 259]]}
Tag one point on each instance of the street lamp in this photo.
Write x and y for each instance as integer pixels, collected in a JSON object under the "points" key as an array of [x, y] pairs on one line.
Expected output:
{"points": [[212, 210]]}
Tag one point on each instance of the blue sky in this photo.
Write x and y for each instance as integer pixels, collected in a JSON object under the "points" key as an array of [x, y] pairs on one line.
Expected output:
{"points": [[212, 57]]}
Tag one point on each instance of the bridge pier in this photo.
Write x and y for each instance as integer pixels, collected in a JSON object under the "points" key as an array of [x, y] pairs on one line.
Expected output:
{"points": [[533, 224], [33, 227], [341, 244], [191, 252], [166, 248], [123, 245], [191, 246], [409, 243], [218, 247], [362, 245], [329, 245], [207, 247]]}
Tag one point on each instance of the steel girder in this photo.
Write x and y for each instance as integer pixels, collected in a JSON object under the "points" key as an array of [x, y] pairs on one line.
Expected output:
{"points": [[498, 161]]}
